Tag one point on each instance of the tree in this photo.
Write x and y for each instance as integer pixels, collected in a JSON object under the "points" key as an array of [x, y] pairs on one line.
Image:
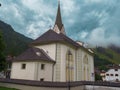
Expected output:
{"points": [[2, 57], [98, 77]]}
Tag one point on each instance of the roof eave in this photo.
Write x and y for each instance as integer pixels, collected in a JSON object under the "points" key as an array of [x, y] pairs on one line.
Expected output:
{"points": [[31, 60]]}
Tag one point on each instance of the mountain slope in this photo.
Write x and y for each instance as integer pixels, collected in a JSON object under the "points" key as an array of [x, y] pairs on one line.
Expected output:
{"points": [[15, 42], [106, 56]]}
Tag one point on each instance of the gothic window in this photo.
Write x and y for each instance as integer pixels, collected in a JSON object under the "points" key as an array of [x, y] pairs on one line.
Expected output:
{"points": [[86, 68], [85, 60]]}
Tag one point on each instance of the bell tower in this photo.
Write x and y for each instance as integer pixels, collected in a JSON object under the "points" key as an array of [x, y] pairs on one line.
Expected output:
{"points": [[59, 27]]}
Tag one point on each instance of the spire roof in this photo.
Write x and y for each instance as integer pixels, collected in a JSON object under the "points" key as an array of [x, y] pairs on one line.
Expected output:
{"points": [[58, 21]]}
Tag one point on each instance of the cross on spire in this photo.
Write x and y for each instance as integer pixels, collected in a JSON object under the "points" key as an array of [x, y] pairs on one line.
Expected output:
{"points": [[59, 1]]}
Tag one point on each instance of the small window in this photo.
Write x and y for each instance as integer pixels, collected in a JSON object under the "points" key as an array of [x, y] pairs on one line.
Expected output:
{"points": [[111, 74], [23, 66], [107, 74], [116, 74], [117, 80], [42, 66], [116, 69], [42, 79]]}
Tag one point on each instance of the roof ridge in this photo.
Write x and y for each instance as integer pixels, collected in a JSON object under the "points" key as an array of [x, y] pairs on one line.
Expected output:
{"points": [[46, 54], [65, 37]]}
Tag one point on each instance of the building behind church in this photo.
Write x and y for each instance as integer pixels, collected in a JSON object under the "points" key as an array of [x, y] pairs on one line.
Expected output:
{"points": [[54, 57]]}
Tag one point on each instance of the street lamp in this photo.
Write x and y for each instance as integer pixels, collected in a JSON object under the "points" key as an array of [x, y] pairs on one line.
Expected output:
{"points": [[69, 55]]}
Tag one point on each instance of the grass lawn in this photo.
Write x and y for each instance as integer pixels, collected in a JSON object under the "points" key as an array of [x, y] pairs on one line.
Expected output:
{"points": [[5, 88]]}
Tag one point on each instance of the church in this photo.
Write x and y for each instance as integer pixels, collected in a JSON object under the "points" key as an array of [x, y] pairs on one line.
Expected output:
{"points": [[55, 57]]}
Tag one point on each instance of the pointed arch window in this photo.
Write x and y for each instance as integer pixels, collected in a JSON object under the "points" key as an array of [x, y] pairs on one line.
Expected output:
{"points": [[86, 68], [85, 60], [69, 66]]}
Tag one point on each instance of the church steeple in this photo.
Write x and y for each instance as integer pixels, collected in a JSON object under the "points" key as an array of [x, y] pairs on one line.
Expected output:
{"points": [[59, 27]]}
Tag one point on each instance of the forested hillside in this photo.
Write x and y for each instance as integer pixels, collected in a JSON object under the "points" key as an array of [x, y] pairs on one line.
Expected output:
{"points": [[14, 41]]}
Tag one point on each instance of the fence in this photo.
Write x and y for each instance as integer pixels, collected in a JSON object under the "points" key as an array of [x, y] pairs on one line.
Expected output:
{"points": [[79, 85]]}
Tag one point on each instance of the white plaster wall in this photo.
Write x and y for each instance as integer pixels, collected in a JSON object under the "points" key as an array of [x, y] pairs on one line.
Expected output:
{"points": [[112, 78], [32, 72], [81, 53], [90, 65], [64, 50], [18, 73], [79, 65], [56, 29], [51, 48], [46, 73]]}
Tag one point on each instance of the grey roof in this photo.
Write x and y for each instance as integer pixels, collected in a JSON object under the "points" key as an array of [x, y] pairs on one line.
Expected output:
{"points": [[51, 36], [9, 58], [34, 54], [114, 67]]}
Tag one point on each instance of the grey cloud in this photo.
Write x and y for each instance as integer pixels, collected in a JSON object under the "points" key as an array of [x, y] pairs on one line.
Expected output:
{"points": [[97, 15], [82, 18]]}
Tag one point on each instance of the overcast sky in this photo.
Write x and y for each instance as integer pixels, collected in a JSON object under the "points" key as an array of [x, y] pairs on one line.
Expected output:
{"points": [[96, 22]]}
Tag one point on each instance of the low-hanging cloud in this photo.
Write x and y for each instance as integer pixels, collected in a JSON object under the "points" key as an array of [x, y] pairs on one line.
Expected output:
{"points": [[93, 21]]}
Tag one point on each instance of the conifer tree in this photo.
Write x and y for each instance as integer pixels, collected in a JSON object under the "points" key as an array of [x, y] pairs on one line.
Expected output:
{"points": [[2, 57]]}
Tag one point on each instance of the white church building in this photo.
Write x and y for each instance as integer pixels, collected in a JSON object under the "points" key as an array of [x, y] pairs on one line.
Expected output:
{"points": [[54, 57]]}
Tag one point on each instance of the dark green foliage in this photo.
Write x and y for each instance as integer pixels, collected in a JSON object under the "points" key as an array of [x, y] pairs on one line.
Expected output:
{"points": [[98, 77], [115, 48], [15, 43], [98, 61], [100, 50], [5, 88], [106, 56], [103, 67], [2, 57]]}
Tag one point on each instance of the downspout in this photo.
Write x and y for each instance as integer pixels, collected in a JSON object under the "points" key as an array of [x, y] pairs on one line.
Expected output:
{"points": [[53, 71], [76, 63], [37, 71], [53, 67]]}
